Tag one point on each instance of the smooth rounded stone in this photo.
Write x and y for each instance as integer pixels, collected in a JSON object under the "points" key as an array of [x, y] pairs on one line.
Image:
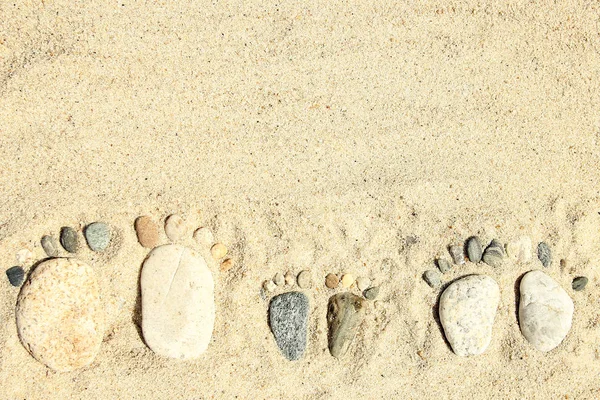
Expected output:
{"points": [[290, 278], [175, 227], [345, 313], [474, 250], [433, 278], [363, 283], [269, 286], [15, 275], [226, 265], [204, 236], [519, 250], [279, 279], [545, 311], [178, 305], [147, 231], [25, 257], [458, 254], [97, 235], [69, 239], [347, 280], [544, 254], [467, 312], [60, 316], [288, 319], [579, 283], [371, 293], [332, 281], [304, 279], [49, 245], [443, 265], [218, 251], [494, 254]]}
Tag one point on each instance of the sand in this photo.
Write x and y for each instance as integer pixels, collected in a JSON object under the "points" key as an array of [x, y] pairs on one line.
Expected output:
{"points": [[327, 136]]}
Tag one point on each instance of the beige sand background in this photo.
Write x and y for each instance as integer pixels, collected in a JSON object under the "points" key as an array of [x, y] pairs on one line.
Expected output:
{"points": [[319, 135]]}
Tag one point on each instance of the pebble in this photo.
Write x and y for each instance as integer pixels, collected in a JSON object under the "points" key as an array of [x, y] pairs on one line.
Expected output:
{"points": [[433, 278], [494, 254], [204, 236], [363, 283], [147, 232], [288, 318], [226, 265], [467, 311], [49, 245], [218, 251], [372, 293], [519, 250], [97, 235], [443, 265], [579, 283], [347, 280], [178, 305], [15, 276], [175, 227], [544, 254], [69, 239], [60, 315], [474, 250], [332, 281], [279, 279], [345, 313], [304, 279], [25, 257], [290, 278], [458, 254], [545, 311], [269, 286]]}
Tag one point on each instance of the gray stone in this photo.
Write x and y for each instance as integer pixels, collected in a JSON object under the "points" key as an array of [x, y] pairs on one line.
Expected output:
{"points": [[15, 276], [579, 283], [494, 254], [544, 254], [443, 265], [50, 246], [458, 254], [69, 239], [371, 293], [433, 278], [345, 313], [474, 250], [97, 235], [288, 318], [545, 311], [467, 312]]}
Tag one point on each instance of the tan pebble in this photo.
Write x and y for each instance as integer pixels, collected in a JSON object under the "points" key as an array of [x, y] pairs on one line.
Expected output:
{"points": [[227, 265], [332, 281], [147, 231], [347, 280], [218, 251], [279, 279], [204, 236], [290, 278], [269, 285], [304, 279], [363, 283], [174, 227]]}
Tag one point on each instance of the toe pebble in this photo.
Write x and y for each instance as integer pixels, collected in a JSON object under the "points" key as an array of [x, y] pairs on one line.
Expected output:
{"points": [[288, 318], [332, 281], [494, 254], [279, 279], [290, 278], [474, 251], [433, 278], [175, 227], [147, 232], [363, 283], [15, 275], [544, 254], [519, 250], [97, 235], [443, 265], [69, 239], [50, 246], [458, 254], [269, 286], [579, 283], [372, 293], [204, 236], [226, 265], [304, 279], [347, 280], [218, 251]]}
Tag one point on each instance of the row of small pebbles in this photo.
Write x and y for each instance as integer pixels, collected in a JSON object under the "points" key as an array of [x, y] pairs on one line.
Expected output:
{"points": [[303, 279], [97, 235], [332, 281]]}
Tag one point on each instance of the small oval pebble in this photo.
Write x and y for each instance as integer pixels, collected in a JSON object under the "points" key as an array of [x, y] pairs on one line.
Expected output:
{"points": [[69, 239], [332, 281], [494, 254], [371, 293], [348, 280], [204, 236], [579, 283], [474, 251], [279, 279], [363, 283], [443, 265], [544, 254], [147, 232], [290, 278], [25, 257], [218, 251], [50, 246], [15, 276], [174, 227], [269, 285], [97, 235], [458, 254], [433, 278], [304, 279], [227, 265]]}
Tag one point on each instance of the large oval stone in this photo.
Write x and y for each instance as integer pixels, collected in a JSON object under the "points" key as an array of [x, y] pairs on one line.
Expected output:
{"points": [[288, 318], [545, 311], [178, 306], [60, 318], [467, 312]]}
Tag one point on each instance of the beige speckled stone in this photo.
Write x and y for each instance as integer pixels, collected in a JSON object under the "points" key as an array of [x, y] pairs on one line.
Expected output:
{"points": [[175, 227], [60, 318]]}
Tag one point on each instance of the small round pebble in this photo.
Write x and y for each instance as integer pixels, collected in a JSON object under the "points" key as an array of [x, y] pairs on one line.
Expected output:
{"points": [[97, 235], [174, 227], [371, 293], [332, 281], [269, 285], [15, 276], [290, 278], [304, 279], [279, 279], [474, 251], [218, 251], [443, 265], [363, 283], [227, 265], [544, 254], [204, 236], [433, 278], [50, 246], [579, 283], [147, 231], [69, 239], [347, 280], [458, 254]]}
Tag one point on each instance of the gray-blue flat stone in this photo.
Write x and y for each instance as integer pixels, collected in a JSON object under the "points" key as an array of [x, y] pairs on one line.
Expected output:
{"points": [[288, 317], [97, 235], [15, 276]]}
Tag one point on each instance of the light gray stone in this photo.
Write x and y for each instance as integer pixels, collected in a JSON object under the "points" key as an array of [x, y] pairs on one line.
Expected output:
{"points": [[433, 278], [97, 235], [288, 318], [50, 246], [474, 250], [443, 265], [458, 254], [494, 254], [304, 279], [579, 283]]}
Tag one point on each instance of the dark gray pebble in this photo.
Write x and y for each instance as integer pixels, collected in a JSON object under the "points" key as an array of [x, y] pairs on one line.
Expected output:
{"points": [[371, 293], [579, 283], [15, 276], [494, 254], [50, 246], [288, 317], [544, 254], [474, 250], [69, 239], [433, 278], [97, 235], [443, 265]]}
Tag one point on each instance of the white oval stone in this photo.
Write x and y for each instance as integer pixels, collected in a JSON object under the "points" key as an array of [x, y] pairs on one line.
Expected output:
{"points": [[60, 318], [545, 311], [519, 250], [175, 227], [178, 305], [467, 312]]}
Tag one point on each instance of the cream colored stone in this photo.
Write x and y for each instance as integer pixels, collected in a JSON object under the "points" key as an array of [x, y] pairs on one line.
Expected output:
{"points": [[218, 251], [204, 236], [175, 227], [347, 280]]}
